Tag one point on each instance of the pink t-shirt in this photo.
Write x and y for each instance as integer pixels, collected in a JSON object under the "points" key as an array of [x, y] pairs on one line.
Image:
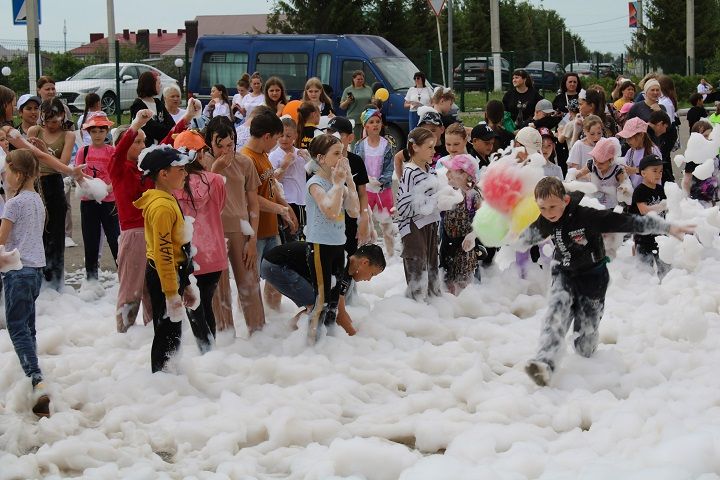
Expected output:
{"points": [[208, 200], [98, 164]]}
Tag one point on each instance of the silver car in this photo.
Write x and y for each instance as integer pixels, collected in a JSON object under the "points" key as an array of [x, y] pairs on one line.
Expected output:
{"points": [[100, 79]]}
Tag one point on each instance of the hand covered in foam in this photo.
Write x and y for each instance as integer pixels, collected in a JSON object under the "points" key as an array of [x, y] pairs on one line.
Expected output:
{"points": [[175, 309], [9, 260]]}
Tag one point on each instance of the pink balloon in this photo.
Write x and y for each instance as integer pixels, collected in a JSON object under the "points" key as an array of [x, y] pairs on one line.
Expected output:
{"points": [[502, 187]]}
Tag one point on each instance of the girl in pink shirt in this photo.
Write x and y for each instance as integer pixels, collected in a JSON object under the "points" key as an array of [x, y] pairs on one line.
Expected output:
{"points": [[203, 198], [95, 215]]}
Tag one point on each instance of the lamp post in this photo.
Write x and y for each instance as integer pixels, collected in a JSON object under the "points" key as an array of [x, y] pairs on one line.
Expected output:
{"points": [[179, 62], [6, 71]]}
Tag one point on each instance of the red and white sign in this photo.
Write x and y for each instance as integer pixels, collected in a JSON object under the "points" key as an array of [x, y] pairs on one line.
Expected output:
{"points": [[437, 6]]}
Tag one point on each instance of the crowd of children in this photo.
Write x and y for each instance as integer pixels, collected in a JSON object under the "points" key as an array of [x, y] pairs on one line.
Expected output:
{"points": [[266, 191]]}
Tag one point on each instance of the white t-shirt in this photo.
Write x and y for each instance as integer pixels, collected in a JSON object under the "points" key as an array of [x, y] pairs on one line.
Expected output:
{"points": [[579, 155], [237, 100], [181, 113], [221, 108], [294, 178], [249, 102], [704, 89], [422, 95], [669, 107]]}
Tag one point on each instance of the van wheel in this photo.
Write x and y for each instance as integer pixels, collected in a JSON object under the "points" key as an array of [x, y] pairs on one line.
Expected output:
{"points": [[397, 137], [109, 103]]}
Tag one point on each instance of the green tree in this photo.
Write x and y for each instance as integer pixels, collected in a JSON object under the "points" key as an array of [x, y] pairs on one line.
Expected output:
{"points": [[317, 16]]}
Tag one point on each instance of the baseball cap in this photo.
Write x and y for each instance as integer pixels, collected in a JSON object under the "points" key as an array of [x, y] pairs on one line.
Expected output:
{"points": [[191, 140], [632, 127], [97, 119], [483, 132], [463, 162], [159, 157], [27, 98], [429, 115], [545, 132], [529, 138], [544, 106], [626, 107], [651, 160], [340, 125]]}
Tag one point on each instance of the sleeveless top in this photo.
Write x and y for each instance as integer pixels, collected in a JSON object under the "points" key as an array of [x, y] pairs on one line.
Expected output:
{"points": [[55, 149], [319, 228], [606, 184]]}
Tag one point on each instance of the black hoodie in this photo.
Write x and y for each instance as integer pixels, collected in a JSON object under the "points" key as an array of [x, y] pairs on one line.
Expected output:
{"points": [[578, 234]]}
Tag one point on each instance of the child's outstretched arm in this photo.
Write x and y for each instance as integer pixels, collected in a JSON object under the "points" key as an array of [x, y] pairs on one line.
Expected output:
{"points": [[607, 221]]}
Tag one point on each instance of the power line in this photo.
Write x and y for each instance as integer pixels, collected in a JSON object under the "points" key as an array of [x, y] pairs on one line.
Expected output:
{"points": [[597, 23]]}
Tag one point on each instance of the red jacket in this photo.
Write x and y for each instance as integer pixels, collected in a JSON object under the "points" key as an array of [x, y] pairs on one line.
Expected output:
{"points": [[127, 181]]}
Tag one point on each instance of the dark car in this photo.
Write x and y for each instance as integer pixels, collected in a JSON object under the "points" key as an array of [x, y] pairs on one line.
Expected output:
{"points": [[545, 75], [582, 69], [606, 70], [472, 74]]}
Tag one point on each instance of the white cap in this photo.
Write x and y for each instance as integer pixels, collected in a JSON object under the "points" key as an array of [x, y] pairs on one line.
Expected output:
{"points": [[529, 138]]}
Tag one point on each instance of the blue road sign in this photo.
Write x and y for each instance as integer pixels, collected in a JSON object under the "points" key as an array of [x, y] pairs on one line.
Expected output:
{"points": [[20, 12]]}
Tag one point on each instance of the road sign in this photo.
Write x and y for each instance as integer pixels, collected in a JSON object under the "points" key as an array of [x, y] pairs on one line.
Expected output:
{"points": [[436, 6], [20, 12]]}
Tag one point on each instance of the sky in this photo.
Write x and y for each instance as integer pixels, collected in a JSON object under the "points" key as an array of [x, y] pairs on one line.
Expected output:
{"points": [[604, 30]]}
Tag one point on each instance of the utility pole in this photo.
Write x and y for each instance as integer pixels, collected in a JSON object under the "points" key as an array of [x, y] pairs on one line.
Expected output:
{"points": [[111, 30], [495, 44], [548, 44], [65, 35], [574, 49], [690, 38], [643, 42], [450, 43], [33, 34], [562, 47]]}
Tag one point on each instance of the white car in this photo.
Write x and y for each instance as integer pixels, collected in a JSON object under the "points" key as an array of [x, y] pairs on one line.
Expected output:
{"points": [[100, 79]]}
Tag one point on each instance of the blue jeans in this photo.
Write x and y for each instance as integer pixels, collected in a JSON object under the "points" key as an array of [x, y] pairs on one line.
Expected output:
{"points": [[289, 283], [22, 288], [264, 245], [413, 120]]}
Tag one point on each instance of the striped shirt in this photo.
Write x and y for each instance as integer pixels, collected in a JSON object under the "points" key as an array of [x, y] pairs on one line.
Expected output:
{"points": [[416, 200]]}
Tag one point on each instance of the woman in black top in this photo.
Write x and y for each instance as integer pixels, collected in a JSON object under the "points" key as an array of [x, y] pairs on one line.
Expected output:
{"points": [[161, 123], [569, 89], [521, 99]]}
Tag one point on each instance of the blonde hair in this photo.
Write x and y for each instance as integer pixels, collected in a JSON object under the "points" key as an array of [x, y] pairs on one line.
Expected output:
{"points": [[591, 121], [23, 162], [456, 129], [316, 83]]}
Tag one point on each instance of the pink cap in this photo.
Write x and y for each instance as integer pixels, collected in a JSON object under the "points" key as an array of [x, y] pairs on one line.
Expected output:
{"points": [[463, 162], [626, 107], [605, 148], [632, 127]]}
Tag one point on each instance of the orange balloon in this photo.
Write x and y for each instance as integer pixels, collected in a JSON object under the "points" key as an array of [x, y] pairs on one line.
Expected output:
{"points": [[292, 109]]}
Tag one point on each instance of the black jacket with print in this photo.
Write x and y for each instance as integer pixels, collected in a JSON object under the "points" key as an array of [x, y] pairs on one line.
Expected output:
{"points": [[578, 234]]}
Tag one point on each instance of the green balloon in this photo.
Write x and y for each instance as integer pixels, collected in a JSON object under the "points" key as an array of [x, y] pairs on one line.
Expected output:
{"points": [[490, 226]]}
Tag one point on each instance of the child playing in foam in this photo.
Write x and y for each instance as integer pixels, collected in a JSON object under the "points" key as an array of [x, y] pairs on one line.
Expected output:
{"points": [[608, 175]]}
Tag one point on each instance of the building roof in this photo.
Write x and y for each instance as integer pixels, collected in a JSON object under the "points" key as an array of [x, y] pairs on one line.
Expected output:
{"points": [[231, 24], [160, 43]]}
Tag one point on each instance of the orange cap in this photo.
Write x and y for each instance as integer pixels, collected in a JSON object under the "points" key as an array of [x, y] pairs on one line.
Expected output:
{"points": [[190, 139]]}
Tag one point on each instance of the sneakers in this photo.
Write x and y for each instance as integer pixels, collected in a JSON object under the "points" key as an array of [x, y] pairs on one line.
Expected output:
{"points": [[41, 399], [69, 242], [539, 372]]}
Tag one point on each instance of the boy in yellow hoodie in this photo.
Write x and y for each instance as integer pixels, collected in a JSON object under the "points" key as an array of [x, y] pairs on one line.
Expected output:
{"points": [[168, 274]]}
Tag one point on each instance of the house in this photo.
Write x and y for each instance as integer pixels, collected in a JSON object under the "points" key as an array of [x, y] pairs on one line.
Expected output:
{"points": [[158, 43]]}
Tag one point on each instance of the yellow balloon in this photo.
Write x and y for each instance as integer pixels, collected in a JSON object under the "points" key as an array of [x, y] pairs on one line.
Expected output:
{"points": [[382, 94], [524, 214]]}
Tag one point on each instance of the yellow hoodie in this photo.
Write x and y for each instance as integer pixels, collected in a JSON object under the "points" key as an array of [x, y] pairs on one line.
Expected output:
{"points": [[164, 236]]}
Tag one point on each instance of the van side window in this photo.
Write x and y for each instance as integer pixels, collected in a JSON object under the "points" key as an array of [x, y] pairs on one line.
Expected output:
{"points": [[292, 68], [322, 68], [222, 67], [349, 66]]}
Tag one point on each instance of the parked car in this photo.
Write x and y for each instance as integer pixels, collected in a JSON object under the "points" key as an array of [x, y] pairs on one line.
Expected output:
{"points": [[545, 75], [606, 70], [101, 79], [582, 69], [472, 74]]}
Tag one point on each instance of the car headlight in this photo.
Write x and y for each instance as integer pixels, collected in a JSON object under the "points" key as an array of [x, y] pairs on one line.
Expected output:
{"points": [[88, 90]]}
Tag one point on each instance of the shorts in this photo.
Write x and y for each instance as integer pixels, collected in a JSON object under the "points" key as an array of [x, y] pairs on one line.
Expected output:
{"points": [[382, 201]]}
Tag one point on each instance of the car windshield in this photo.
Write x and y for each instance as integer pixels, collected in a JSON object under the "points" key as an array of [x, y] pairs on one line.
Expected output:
{"points": [[95, 72], [397, 71], [539, 65]]}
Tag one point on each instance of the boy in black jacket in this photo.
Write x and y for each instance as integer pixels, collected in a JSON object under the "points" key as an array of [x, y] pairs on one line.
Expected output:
{"points": [[579, 272]]}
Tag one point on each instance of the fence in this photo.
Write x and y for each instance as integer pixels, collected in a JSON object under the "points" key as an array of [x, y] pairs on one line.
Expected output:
{"points": [[80, 70]]}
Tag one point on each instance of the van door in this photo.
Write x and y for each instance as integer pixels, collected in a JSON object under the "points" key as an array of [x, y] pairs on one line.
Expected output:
{"points": [[345, 66], [289, 60], [324, 63]]}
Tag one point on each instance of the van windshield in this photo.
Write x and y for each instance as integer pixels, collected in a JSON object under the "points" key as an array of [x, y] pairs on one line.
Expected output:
{"points": [[397, 71]]}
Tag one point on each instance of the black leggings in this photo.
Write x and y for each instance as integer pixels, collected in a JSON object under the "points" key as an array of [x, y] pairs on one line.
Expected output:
{"points": [[202, 319], [53, 195], [92, 216]]}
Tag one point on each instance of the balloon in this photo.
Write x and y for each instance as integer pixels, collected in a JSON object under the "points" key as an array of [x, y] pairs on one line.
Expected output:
{"points": [[524, 213], [291, 108], [382, 94], [490, 226], [502, 187]]}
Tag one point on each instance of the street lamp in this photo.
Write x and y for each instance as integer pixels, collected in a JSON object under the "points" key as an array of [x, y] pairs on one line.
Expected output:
{"points": [[6, 71], [179, 64]]}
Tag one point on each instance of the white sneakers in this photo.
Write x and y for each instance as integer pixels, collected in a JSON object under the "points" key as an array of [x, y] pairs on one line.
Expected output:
{"points": [[69, 242]]}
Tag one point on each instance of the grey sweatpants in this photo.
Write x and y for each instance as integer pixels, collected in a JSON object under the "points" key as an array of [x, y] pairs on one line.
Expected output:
{"points": [[578, 299], [420, 261]]}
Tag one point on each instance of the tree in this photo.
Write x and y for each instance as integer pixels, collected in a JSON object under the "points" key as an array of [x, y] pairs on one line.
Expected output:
{"points": [[317, 16]]}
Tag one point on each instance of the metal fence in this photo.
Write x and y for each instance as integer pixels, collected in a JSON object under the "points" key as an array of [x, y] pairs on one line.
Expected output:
{"points": [[80, 70]]}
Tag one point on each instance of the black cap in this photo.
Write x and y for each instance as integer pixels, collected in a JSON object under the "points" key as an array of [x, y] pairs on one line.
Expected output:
{"points": [[483, 132], [340, 125], [651, 160], [432, 118], [159, 157]]}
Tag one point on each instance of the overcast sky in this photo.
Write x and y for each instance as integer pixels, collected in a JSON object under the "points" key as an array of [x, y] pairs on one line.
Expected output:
{"points": [[604, 29]]}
